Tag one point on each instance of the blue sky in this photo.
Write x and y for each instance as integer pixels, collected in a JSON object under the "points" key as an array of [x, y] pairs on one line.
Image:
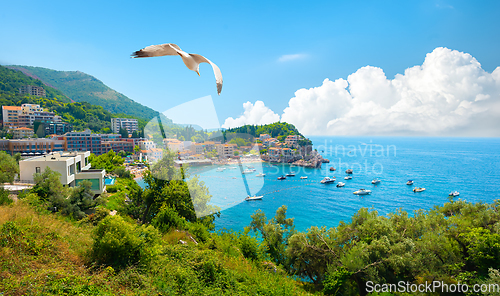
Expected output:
{"points": [[267, 51]]}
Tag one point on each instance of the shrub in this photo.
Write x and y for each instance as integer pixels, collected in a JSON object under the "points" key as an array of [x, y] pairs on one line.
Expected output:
{"points": [[167, 218], [119, 244], [4, 197], [200, 231], [96, 217], [111, 188], [249, 247]]}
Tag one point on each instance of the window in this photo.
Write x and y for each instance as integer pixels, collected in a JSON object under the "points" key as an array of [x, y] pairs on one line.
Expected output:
{"points": [[37, 170]]}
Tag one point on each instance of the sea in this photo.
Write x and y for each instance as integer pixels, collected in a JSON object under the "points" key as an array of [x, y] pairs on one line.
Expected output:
{"points": [[470, 166]]}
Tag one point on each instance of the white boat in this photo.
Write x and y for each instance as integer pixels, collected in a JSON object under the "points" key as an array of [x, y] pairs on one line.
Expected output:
{"points": [[340, 184], [362, 192], [254, 197], [220, 169], [348, 178], [247, 171], [418, 189], [327, 180], [410, 182], [232, 168], [290, 174], [348, 171], [260, 175], [303, 177], [375, 181], [454, 193]]}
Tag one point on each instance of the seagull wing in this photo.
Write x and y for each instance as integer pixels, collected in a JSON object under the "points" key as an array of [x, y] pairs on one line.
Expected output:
{"points": [[218, 75], [157, 50]]}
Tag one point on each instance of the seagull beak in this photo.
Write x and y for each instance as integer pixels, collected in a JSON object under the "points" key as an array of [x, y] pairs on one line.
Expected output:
{"points": [[197, 72]]}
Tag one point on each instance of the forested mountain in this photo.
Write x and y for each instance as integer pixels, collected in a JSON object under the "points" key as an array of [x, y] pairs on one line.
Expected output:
{"points": [[81, 87], [81, 115]]}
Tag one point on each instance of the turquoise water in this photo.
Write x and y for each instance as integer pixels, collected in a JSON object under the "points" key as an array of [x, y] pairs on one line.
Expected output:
{"points": [[109, 181], [441, 165]]}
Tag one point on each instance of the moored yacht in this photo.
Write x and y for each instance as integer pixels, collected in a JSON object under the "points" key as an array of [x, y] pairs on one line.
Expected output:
{"points": [[362, 192], [327, 180], [253, 197]]}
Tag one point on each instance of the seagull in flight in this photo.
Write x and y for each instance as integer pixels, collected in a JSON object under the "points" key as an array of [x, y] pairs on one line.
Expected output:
{"points": [[191, 60]]}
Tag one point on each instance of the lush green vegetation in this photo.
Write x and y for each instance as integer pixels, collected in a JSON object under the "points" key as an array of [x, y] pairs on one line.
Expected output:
{"points": [[81, 87], [157, 243], [45, 253]]}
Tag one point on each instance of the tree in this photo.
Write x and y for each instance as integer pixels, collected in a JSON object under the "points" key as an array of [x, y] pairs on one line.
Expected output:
{"points": [[81, 198], [49, 188], [166, 187], [39, 129], [275, 233], [9, 167], [124, 133], [135, 134], [137, 149], [108, 161]]}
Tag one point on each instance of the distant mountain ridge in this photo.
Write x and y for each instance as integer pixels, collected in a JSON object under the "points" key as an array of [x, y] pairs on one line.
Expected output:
{"points": [[81, 87]]}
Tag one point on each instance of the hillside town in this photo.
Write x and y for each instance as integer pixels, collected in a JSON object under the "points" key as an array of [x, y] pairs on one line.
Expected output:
{"points": [[24, 123]]}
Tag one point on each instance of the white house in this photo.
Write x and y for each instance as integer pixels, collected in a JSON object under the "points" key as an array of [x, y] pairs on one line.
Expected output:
{"points": [[74, 168]]}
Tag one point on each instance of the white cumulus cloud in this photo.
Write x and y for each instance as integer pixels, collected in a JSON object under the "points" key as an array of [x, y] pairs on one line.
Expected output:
{"points": [[449, 94], [254, 114], [291, 57]]}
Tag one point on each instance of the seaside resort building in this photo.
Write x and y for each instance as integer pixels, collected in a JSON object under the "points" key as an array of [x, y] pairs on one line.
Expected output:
{"points": [[74, 168]]}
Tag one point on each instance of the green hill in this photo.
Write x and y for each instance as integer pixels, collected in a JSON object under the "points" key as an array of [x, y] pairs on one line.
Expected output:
{"points": [[11, 81], [277, 130], [81, 87]]}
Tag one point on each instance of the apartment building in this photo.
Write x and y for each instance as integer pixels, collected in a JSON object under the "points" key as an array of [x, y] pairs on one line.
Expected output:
{"points": [[10, 115], [84, 141], [57, 128], [32, 112], [32, 90], [292, 141], [74, 168], [197, 148], [25, 115], [130, 125], [22, 132], [117, 146], [176, 145], [32, 146], [225, 150]]}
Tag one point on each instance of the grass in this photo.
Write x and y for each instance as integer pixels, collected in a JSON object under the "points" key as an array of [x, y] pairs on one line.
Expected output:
{"points": [[45, 254]]}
